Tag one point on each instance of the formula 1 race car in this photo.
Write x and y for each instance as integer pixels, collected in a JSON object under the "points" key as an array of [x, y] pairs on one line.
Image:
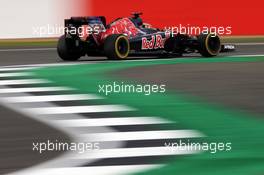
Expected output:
{"points": [[130, 36]]}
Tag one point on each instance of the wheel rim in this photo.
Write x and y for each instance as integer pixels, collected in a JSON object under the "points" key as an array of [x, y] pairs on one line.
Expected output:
{"points": [[122, 47], [213, 44]]}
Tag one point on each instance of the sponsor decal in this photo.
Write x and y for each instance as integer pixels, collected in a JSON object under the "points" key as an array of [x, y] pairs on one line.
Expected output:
{"points": [[148, 44], [156, 42], [229, 47]]}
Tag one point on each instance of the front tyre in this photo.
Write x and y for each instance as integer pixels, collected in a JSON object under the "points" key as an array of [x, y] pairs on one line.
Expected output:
{"points": [[67, 52], [116, 47], [209, 44]]}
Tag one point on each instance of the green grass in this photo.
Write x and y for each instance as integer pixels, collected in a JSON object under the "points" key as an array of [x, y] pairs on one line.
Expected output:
{"points": [[219, 123], [27, 43]]}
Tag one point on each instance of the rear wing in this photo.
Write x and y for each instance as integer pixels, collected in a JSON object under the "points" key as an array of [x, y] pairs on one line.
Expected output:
{"points": [[79, 21], [81, 27]]}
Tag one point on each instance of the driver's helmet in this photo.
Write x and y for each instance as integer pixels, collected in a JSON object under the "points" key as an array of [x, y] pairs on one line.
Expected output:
{"points": [[147, 26], [136, 19]]}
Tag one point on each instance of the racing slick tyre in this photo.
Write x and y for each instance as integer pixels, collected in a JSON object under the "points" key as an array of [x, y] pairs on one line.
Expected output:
{"points": [[65, 52], [116, 46], [209, 45]]}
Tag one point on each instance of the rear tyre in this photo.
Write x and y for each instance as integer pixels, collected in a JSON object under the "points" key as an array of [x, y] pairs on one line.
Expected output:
{"points": [[66, 52], [209, 45], [116, 47]]}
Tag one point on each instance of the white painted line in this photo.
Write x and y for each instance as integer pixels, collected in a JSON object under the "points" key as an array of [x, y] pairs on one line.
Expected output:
{"points": [[23, 81], [246, 55], [96, 170], [138, 152], [34, 89], [44, 65], [20, 74], [246, 44], [49, 98], [78, 109], [112, 121], [29, 49], [16, 68], [142, 135]]}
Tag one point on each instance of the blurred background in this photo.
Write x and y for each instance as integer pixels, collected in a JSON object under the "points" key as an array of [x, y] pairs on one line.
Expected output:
{"points": [[19, 17]]}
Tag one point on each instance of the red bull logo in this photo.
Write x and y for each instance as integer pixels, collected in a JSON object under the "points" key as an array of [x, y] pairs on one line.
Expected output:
{"points": [[156, 42]]}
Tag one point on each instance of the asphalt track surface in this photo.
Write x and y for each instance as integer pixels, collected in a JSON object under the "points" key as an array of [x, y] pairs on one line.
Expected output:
{"points": [[233, 84], [23, 56], [17, 133]]}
